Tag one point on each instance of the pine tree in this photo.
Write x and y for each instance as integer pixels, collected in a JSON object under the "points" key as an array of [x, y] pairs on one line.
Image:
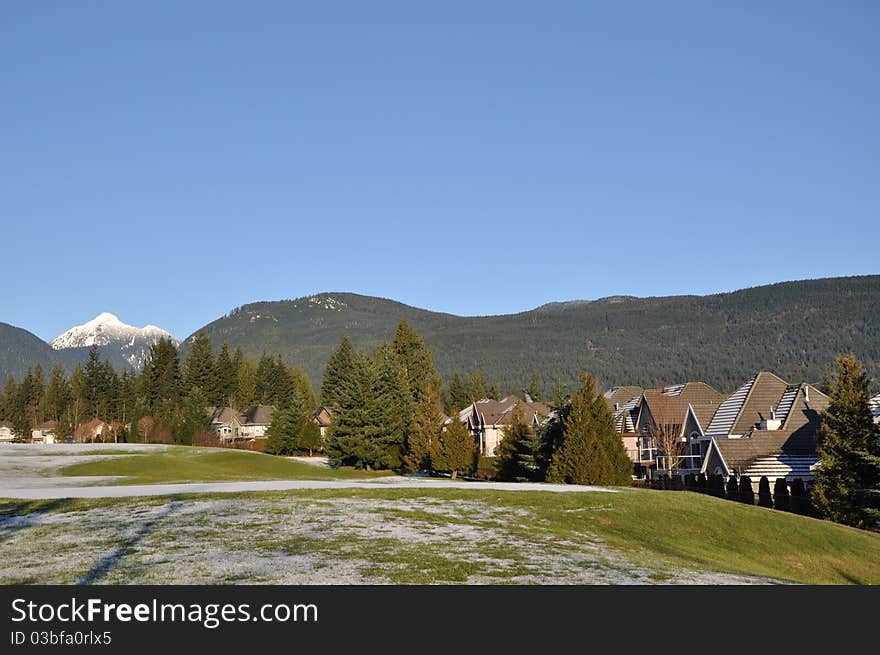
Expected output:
{"points": [[395, 410], [266, 381], [477, 387], [246, 391], [292, 432], [225, 379], [592, 451], [425, 434], [58, 394], [454, 453], [353, 438], [194, 420], [517, 456], [8, 398], [849, 450], [416, 359], [338, 374], [162, 380], [198, 367], [457, 395]]}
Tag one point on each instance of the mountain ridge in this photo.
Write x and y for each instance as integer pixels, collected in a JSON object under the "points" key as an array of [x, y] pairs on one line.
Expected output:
{"points": [[795, 328]]}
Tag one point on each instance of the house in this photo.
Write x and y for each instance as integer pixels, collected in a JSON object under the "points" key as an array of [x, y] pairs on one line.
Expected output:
{"points": [[98, 431], [624, 405], [7, 432], [487, 418], [232, 425], [767, 427], [682, 410], [322, 417], [44, 433]]}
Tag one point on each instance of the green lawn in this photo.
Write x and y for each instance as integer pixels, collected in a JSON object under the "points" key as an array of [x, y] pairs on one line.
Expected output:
{"points": [[435, 536], [185, 464]]}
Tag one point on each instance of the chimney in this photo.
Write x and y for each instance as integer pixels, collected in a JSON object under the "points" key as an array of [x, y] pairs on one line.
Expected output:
{"points": [[771, 423], [806, 393], [616, 407]]}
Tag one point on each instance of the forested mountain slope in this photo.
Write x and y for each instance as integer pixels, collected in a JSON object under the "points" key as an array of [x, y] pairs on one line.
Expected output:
{"points": [[793, 328]]}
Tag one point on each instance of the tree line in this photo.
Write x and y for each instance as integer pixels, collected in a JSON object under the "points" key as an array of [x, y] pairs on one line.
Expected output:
{"points": [[174, 394]]}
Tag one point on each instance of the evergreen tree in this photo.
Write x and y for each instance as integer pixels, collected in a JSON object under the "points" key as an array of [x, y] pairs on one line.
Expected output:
{"points": [[8, 398], [225, 379], [746, 493], [246, 392], [292, 432], [353, 438], [455, 450], [732, 488], [800, 501], [93, 384], [592, 451], [477, 388], [415, 358], [198, 367], [162, 380], [194, 420], [338, 374], [781, 497], [21, 425], [457, 395], [517, 457], [495, 390], [849, 450], [394, 418], [266, 380], [535, 389], [78, 397], [58, 394], [425, 434], [764, 497]]}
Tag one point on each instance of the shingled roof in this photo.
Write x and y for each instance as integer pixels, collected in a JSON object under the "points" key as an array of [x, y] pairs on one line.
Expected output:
{"points": [[797, 436], [499, 412]]}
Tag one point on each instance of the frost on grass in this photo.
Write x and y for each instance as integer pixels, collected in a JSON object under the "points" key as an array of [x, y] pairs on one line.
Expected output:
{"points": [[300, 540]]}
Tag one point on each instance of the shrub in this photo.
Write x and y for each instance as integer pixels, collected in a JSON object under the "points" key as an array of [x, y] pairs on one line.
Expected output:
{"points": [[800, 501], [764, 497], [701, 483], [732, 488], [746, 493], [781, 498]]}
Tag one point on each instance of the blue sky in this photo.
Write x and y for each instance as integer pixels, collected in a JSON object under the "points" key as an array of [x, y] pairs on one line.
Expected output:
{"points": [[168, 161]]}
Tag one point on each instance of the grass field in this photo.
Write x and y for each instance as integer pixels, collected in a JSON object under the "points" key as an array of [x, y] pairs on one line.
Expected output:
{"points": [[426, 536], [184, 464]]}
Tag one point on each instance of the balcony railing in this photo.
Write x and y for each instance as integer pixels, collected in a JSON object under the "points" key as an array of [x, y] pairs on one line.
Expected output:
{"points": [[683, 462]]}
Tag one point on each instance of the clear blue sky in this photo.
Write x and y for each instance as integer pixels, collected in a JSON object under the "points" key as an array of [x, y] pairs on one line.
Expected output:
{"points": [[168, 161]]}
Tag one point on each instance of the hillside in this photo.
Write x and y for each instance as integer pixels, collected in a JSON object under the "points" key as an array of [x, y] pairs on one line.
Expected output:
{"points": [[20, 349], [793, 328]]}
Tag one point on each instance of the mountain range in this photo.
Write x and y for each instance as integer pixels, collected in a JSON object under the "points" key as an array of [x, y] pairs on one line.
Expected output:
{"points": [[795, 329]]}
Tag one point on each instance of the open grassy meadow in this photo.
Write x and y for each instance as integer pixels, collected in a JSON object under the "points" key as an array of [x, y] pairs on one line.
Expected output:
{"points": [[396, 535], [184, 464]]}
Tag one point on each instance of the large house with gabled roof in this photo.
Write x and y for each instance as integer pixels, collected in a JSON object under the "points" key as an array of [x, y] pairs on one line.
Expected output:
{"points": [[767, 427], [229, 424], [487, 418]]}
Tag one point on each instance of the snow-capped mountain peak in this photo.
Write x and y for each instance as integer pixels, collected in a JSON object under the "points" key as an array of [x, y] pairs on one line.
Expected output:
{"points": [[107, 331]]}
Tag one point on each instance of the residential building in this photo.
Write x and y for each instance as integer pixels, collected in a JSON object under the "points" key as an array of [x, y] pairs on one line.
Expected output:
{"points": [[767, 427], [44, 433], [322, 417], [487, 418], [98, 431], [232, 425], [7, 432], [681, 410], [874, 403], [624, 405]]}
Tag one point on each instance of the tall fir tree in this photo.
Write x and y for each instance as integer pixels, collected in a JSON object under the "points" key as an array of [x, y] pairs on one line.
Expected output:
{"points": [[246, 390], [224, 379], [415, 358], [427, 424], [848, 478], [162, 380], [338, 374], [457, 394], [198, 367], [292, 431], [477, 387], [518, 455], [592, 451], [454, 452]]}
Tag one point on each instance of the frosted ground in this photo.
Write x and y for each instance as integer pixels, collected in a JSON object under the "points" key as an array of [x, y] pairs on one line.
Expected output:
{"points": [[386, 531]]}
